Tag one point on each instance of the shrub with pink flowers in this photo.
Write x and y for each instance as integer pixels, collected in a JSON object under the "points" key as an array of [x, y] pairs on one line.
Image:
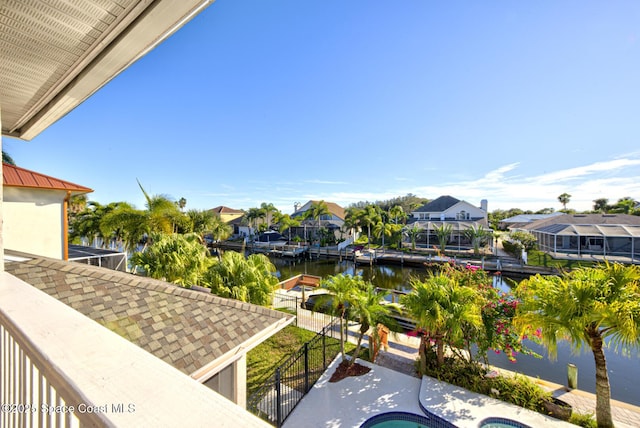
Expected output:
{"points": [[499, 308]]}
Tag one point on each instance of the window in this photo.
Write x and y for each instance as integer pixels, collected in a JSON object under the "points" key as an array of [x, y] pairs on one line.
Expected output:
{"points": [[462, 215]]}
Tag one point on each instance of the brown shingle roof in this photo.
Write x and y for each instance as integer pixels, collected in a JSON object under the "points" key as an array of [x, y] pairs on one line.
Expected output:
{"points": [[185, 328], [19, 177], [221, 209]]}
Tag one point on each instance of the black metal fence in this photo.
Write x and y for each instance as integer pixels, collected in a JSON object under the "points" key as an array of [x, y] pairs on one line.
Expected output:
{"points": [[294, 377]]}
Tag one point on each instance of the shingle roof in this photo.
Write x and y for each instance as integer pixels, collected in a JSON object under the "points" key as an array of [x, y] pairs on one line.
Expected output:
{"points": [[185, 328], [19, 177], [584, 219], [438, 205], [528, 218], [221, 209]]}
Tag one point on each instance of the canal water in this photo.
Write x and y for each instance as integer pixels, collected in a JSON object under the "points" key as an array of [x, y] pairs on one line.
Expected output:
{"points": [[624, 370]]}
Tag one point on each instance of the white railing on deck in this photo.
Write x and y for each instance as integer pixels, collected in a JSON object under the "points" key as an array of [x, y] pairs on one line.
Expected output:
{"points": [[58, 368], [27, 395]]}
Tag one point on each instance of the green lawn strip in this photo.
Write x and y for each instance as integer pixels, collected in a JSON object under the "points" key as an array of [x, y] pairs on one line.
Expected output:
{"points": [[264, 358], [538, 258]]}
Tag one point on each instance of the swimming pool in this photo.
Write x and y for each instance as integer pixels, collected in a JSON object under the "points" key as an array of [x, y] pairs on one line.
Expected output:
{"points": [[406, 420], [502, 423]]}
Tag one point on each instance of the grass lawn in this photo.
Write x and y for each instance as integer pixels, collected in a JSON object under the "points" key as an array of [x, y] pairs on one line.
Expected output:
{"points": [[538, 258], [263, 359]]}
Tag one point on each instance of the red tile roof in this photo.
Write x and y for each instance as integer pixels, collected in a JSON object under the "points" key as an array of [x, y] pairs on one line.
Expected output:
{"points": [[19, 177]]}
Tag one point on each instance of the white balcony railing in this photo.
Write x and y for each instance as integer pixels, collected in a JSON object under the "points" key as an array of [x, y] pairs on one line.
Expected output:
{"points": [[61, 369]]}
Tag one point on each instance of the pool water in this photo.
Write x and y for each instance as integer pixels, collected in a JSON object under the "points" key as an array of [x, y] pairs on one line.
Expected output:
{"points": [[501, 423], [405, 420]]}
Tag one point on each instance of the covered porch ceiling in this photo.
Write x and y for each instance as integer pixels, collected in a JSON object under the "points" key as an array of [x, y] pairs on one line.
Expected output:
{"points": [[57, 53]]}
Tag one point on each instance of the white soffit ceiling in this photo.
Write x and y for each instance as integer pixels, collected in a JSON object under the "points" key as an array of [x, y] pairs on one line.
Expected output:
{"points": [[55, 53]]}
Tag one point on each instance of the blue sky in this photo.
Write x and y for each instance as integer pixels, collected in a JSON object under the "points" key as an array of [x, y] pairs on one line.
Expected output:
{"points": [[287, 101]]}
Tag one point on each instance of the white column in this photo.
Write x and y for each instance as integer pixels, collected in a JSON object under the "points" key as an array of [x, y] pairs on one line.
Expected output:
{"points": [[240, 376]]}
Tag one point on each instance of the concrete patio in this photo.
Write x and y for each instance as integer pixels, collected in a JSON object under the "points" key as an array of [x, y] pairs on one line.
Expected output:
{"points": [[351, 401]]}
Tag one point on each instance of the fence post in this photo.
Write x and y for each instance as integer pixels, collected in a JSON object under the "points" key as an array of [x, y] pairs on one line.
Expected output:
{"points": [[324, 349], [278, 400], [306, 367]]}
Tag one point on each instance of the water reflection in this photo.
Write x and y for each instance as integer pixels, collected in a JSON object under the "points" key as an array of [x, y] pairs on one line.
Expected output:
{"points": [[623, 370]]}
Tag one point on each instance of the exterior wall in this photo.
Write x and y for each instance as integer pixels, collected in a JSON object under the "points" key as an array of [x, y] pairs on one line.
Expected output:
{"points": [[231, 382], [230, 217], [469, 211], [460, 211], [33, 221]]}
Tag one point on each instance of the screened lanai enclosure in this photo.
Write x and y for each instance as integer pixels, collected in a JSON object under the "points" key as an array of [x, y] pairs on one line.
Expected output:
{"points": [[458, 239], [606, 240]]}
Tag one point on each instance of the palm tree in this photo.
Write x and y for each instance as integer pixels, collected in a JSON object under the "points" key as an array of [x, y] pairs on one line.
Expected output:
{"points": [[317, 210], [443, 233], [342, 290], [128, 226], [588, 306], [182, 202], [443, 310], [269, 210], [205, 222], [285, 222], [352, 219], [476, 234], [179, 259], [253, 215], [383, 229], [564, 199], [77, 204], [86, 224], [248, 279], [370, 216], [368, 309], [162, 215], [397, 213], [412, 232]]}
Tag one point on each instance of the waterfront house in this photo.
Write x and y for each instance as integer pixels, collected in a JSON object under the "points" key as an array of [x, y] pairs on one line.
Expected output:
{"points": [[589, 236], [332, 221], [335, 216], [227, 214], [447, 210]]}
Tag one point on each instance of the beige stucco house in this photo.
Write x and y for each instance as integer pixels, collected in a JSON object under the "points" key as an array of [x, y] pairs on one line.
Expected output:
{"points": [[227, 214], [35, 212]]}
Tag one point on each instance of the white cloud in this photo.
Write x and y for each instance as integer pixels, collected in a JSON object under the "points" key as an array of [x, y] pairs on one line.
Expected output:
{"points": [[316, 181]]}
